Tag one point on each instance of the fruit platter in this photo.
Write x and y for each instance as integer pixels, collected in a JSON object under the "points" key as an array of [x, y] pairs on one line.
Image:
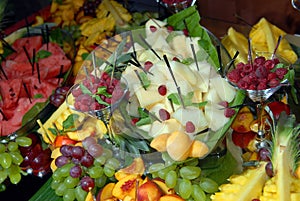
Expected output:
{"points": [[162, 111]]}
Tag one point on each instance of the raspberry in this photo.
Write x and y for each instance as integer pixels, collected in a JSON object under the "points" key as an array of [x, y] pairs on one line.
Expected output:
{"points": [[240, 66], [269, 64], [229, 112], [271, 76], [223, 103], [280, 72], [247, 68], [252, 87], [259, 60], [273, 82], [261, 86], [242, 84], [234, 75], [261, 72]]}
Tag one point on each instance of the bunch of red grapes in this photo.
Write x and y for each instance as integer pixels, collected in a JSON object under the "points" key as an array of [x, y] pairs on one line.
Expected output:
{"points": [[261, 74], [101, 89], [81, 169], [36, 159]]}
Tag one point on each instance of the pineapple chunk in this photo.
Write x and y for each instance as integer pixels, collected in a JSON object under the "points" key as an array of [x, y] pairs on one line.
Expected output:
{"points": [[250, 185]]}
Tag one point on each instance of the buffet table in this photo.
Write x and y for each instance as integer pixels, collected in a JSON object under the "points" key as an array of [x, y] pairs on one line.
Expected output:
{"points": [[217, 18]]}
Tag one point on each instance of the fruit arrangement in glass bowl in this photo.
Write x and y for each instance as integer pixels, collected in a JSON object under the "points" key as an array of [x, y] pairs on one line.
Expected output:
{"points": [[261, 77]]}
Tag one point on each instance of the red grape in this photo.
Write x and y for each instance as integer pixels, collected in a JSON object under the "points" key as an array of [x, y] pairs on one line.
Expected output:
{"points": [[66, 150], [264, 154], [75, 171], [62, 90], [164, 114], [190, 127], [87, 160], [95, 150], [42, 159], [61, 161], [77, 152], [57, 99], [88, 141], [269, 169], [87, 183], [162, 90]]}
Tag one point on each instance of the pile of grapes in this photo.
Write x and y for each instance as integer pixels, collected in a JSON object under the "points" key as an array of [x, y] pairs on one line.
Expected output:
{"points": [[185, 178], [83, 169], [36, 159], [11, 159]]}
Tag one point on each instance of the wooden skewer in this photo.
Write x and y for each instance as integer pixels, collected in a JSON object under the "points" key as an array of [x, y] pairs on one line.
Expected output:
{"points": [[27, 92]]}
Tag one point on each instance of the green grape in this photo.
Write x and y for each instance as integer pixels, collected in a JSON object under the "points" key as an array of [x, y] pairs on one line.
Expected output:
{"points": [[2, 187], [71, 182], [61, 189], [101, 181], [156, 167], [101, 160], [57, 175], [113, 163], [5, 160], [14, 174], [185, 188], [192, 162], [162, 173], [171, 179], [12, 146], [190, 172], [108, 171], [17, 158], [198, 194], [107, 153], [3, 175], [55, 183], [2, 148], [69, 195], [95, 172], [65, 170], [80, 194], [168, 160], [208, 185], [208, 197], [23, 141]]}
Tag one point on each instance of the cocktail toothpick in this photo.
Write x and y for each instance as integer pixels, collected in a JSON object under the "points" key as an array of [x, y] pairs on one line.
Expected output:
{"points": [[173, 77], [149, 46]]}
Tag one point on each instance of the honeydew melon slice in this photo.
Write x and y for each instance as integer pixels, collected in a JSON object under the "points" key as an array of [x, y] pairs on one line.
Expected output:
{"points": [[225, 91], [215, 116], [193, 114], [147, 97], [167, 126]]}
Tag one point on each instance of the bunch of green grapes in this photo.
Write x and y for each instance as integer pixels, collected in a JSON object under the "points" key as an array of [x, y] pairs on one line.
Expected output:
{"points": [[11, 159], [83, 169], [185, 178]]}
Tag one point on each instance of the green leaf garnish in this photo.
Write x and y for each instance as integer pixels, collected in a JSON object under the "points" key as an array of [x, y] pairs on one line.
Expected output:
{"points": [[69, 123], [145, 80]]}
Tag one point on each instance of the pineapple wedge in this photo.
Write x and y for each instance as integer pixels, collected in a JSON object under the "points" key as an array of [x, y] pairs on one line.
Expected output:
{"points": [[244, 187]]}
